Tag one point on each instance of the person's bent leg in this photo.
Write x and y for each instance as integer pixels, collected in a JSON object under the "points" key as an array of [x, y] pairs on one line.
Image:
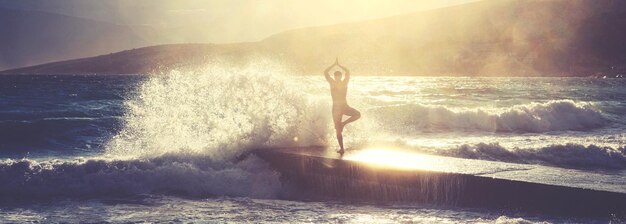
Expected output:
{"points": [[354, 115]]}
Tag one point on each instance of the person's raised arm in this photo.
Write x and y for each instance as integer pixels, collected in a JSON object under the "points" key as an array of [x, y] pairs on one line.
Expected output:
{"points": [[327, 75], [347, 76]]}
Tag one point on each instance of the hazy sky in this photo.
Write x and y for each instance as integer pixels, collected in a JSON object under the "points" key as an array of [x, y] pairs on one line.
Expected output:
{"points": [[232, 20]]}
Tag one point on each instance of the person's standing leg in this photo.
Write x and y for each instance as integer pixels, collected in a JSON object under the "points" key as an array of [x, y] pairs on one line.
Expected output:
{"points": [[337, 117], [340, 139]]}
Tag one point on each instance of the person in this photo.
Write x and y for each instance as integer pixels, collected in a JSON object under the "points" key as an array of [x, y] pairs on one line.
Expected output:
{"points": [[338, 91]]}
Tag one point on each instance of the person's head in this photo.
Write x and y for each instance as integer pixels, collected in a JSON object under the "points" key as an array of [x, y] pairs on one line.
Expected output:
{"points": [[338, 75]]}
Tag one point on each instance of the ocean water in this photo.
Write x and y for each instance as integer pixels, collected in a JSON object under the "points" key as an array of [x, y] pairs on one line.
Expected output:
{"points": [[128, 148]]}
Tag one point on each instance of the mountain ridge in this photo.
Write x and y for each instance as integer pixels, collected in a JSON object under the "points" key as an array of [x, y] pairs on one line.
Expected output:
{"points": [[35, 37], [486, 38]]}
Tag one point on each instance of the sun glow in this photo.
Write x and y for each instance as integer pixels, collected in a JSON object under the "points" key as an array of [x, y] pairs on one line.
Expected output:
{"points": [[397, 159]]}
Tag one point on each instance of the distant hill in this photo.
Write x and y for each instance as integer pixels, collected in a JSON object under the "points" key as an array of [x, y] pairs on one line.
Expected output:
{"points": [[497, 37], [493, 37], [32, 37], [143, 60]]}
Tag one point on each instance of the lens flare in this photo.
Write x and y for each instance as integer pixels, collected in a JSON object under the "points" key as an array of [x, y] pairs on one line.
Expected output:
{"points": [[397, 159]]}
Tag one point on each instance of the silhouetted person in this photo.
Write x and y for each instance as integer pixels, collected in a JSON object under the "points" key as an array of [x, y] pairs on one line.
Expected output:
{"points": [[339, 90]]}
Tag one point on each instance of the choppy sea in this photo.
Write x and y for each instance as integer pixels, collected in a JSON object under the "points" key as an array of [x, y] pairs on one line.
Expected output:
{"points": [[161, 148]]}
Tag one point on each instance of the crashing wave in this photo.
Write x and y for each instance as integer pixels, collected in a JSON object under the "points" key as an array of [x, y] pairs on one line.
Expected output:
{"points": [[182, 134], [218, 112], [183, 175], [559, 115], [567, 155]]}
